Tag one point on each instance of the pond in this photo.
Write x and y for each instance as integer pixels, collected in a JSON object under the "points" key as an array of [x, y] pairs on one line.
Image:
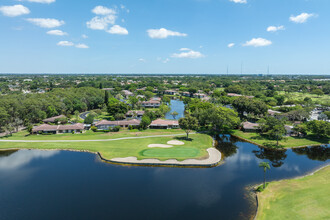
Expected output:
{"points": [[74, 185], [177, 106]]}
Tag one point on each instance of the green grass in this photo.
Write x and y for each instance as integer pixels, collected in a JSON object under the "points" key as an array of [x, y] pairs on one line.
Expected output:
{"points": [[304, 198], [324, 99], [196, 148], [289, 143], [90, 135]]}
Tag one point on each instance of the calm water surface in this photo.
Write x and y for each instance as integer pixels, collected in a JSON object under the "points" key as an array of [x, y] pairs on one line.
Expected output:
{"points": [[177, 106], [69, 185]]}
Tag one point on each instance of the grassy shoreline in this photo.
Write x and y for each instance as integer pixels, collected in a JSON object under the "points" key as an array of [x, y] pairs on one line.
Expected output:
{"points": [[299, 198], [192, 149], [291, 142]]}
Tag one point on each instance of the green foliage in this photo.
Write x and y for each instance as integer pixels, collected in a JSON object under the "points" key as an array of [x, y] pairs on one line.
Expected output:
{"points": [[174, 114], [89, 119], [188, 124], [93, 128], [319, 128], [145, 122], [250, 106], [115, 129], [117, 108]]}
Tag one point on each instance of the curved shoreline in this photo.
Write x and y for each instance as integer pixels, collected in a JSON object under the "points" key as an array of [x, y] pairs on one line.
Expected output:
{"points": [[298, 177], [285, 148], [213, 160]]}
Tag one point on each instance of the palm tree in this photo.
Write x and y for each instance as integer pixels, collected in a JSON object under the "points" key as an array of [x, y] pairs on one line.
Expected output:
{"points": [[266, 166]]}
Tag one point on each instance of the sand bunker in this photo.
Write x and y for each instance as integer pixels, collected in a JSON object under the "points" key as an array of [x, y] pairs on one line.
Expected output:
{"points": [[160, 145], [175, 142]]}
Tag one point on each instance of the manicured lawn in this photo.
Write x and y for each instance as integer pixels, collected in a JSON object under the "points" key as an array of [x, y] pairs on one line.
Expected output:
{"points": [[89, 135], [324, 99], [124, 148], [290, 142], [304, 198]]}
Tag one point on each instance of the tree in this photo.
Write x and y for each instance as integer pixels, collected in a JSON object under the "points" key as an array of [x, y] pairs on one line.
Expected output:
{"points": [[117, 107], [174, 114], [101, 86], [277, 132], [166, 99], [145, 122], [265, 166], [106, 97], [322, 117], [133, 100], [319, 128], [188, 124], [89, 119], [301, 129]]}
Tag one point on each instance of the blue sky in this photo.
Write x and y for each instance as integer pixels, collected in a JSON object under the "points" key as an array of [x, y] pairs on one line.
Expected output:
{"points": [[165, 36]]}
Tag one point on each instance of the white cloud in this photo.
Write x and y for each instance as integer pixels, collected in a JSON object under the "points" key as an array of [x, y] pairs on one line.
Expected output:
{"points": [[57, 32], [166, 60], [142, 60], [258, 42], [82, 46], [231, 45], [101, 23], [185, 49], [42, 1], [84, 36], [46, 22], [302, 18], [163, 33], [101, 10], [239, 1], [116, 29], [65, 44], [275, 28], [188, 54], [15, 10]]}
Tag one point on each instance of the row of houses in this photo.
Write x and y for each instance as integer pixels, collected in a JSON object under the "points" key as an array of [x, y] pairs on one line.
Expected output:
{"points": [[156, 124]]}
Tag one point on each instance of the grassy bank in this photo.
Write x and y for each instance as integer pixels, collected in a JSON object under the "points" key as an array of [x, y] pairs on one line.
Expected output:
{"points": [[304, 198], [290, 142], [194, 148]]}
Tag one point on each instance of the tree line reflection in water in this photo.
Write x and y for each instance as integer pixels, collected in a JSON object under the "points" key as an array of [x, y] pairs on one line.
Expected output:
{"points": [[226, 144]]}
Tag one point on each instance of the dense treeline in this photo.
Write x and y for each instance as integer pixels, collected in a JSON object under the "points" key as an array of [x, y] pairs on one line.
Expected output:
{"points": [[32, 108]]}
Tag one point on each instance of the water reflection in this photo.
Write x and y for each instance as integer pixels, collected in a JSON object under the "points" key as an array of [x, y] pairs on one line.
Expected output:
{"points": [[321, 153], [276, 157], [177, 106], [17, 159], [226, 145]]}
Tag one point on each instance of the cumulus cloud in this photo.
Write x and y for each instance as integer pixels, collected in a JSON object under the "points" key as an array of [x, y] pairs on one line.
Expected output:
{"points": [[15, 10], [42, 1], [188, 54], [101, 10], [231, 45], [46, 22], [101, 23], [116, 29], [275, 28], [239, 1], [258, 42], [82, 46], [65, 43], [57, 32], [302, 18], [184, 49], [163, 33]]}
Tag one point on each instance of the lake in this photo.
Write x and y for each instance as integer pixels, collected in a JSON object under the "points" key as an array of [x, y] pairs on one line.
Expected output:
{"points": [[177, 106], [74, 185]]}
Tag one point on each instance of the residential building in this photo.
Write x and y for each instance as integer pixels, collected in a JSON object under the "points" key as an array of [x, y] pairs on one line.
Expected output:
{"points": [[249, 126], [106, 125], [53, 119], [58, 129], [150, 104], [164, 124], [131, 114]]}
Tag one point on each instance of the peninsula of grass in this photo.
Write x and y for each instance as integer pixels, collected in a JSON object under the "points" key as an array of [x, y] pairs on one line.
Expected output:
{"points": [[193, 148], [288, 142], [303, 198]]}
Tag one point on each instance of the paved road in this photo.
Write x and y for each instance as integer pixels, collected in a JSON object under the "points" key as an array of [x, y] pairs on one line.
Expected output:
{"points": [[84, 115], [97, 140]]}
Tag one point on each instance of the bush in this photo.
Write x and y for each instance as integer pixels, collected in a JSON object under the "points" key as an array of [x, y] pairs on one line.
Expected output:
{"points": [[72, 132], [261, 188], [93, 128], [130, 127], [115, 129]]}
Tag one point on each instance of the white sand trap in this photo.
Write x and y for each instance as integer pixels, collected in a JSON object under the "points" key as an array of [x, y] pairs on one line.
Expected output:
{"points": [[175, 142], [160, 145]]}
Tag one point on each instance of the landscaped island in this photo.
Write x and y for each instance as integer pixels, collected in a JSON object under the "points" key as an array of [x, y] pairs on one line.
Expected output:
{"points": [[126, 143], [303, 198]]}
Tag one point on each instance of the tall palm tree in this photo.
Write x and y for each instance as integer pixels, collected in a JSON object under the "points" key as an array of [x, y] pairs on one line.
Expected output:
{"points": [[266, 166]]}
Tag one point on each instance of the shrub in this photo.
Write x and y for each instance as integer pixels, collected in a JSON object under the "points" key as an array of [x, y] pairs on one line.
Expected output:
{"points": [[261, 188], [115, 129], [130, 127], [93, 128], [72, 132]]}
